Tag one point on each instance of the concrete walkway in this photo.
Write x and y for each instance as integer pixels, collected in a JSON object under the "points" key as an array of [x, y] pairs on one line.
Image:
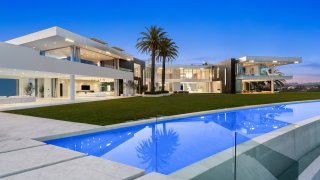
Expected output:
{"points": [[22, 157]]}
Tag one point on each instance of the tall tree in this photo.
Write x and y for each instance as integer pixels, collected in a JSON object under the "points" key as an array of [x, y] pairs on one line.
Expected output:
{"points": [[168, 51], [149, 43]]}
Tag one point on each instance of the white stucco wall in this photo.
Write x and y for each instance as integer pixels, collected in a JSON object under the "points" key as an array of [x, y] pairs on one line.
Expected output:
{"points": [[23, 58]]}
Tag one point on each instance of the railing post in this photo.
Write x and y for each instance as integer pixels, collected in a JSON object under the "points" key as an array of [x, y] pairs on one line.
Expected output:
{"points": [[235, 156]]}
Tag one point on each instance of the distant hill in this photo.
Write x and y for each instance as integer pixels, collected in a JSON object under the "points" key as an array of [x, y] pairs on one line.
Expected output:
{"points": [[304, 84]]}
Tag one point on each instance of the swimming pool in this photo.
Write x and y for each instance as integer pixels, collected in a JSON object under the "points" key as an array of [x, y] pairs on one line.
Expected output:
{"points": [[169, 145]]}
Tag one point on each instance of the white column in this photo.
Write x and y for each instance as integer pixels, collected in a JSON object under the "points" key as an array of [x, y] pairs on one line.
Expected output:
{"points": [[210, 87], [125, 87], [272, 80], [72, 76], [72, 87], [72, 53], [117, 63], [116, 87], [272, 86]]}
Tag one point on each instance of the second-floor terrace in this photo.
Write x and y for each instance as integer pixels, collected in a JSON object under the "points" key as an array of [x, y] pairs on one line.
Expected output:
{"points": [[260, 67], [61, 44], [18, 60]]}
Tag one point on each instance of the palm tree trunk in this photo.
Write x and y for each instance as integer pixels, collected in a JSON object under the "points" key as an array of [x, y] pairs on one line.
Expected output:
{"points": [[153, 59], [163, 73]]}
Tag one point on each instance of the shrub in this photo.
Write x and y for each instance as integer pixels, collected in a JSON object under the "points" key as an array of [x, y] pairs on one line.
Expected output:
{"points": [[29, 89], [144, 88], [157, 92], [180, 92]]}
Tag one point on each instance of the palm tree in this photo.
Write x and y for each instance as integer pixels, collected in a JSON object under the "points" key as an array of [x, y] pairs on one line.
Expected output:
{"points": [[168, 52], [149, 43]]}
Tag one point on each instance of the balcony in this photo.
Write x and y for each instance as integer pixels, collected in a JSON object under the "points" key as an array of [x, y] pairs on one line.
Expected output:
{"points": [[125, 69], [26, 59], [183, 77], [263, 77]]}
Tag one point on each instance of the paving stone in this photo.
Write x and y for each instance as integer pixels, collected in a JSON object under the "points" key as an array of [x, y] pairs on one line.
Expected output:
{"points": [[31, 158], [20, 126], [11, 144], [83, 168], [156, 176]]}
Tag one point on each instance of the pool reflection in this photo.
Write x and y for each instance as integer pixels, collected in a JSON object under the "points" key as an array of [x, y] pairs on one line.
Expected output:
{"points": [[156, 150]]}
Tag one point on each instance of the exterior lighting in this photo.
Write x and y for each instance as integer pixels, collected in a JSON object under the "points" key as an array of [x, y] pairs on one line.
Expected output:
{"points": [[274, 61], [69, 40], [129, 59], [296, 62], [107, 52]]}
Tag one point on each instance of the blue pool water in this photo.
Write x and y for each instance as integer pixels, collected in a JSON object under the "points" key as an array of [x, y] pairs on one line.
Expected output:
{"points": [[170, 145]]}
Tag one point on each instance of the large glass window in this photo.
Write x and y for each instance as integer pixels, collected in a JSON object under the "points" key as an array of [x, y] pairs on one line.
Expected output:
{"points": [[91, 57], [241, 69], [61, 53], [194, 73], [84, 55], [137, 70], [195, 87], [171, 73], [107, 86], [263, 70]]}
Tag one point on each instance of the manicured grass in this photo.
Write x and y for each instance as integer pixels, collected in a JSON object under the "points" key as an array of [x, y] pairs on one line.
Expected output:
{"points": [[122, 110]]}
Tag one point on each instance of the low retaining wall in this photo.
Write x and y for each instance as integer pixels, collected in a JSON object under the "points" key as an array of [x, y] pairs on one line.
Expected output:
{"points": [[156, 95], [17, 99]]}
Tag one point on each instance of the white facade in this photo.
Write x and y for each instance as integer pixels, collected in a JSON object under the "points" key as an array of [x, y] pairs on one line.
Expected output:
{"points": [[28, 59], [249, 74], [258, 73], [59, 63], [191, 78]]}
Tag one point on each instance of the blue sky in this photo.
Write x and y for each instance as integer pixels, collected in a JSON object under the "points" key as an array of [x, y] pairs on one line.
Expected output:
{"points": [[204, 30]]}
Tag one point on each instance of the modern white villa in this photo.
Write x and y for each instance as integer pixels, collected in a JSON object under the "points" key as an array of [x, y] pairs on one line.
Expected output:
{"points": [[57, 63], [249, 74], [192, 78], [267, 141]]}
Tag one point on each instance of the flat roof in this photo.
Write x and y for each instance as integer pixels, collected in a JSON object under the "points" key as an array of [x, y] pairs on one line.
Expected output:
{"points": [[270, 60], [57, 37], [185, 66]]}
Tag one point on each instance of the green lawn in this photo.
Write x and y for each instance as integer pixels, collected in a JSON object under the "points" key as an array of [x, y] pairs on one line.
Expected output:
{"points": [[122, 110]]}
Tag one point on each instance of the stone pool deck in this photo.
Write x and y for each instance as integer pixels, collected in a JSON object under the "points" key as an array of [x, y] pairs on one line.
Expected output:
{"points": [[23, 157]]}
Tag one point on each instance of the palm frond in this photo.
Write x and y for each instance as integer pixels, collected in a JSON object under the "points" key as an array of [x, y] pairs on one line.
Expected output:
{"points": [[168, 50]]}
